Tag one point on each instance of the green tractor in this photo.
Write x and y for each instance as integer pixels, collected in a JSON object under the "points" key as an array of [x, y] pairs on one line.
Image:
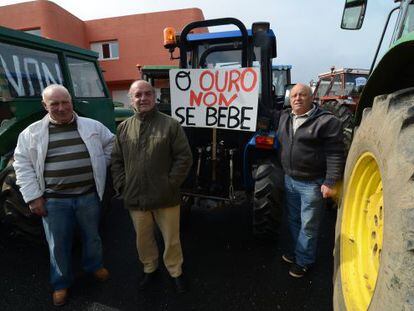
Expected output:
{"points": [[28, 64], [374, 248]]}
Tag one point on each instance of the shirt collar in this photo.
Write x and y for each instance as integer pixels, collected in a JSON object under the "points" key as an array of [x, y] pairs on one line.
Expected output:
{"points": [[306, 114], [74, 117], [146, 116]]}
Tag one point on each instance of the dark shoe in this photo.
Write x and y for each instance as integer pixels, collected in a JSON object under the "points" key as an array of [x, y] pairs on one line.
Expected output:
{"points": [[101, 275], [146, 280], [288, 258], [180, 284], [59, 297], [298, 271]]}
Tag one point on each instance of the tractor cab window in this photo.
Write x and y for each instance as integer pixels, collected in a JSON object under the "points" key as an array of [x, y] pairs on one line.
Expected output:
{"points": [[85, 78], [223, 59], [336, 87], [279, 80], [408, 25], [219, 56], [354, 83], [323, 87], [25, 72]]}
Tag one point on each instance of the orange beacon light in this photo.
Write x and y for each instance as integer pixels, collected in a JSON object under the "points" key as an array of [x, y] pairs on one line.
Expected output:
{"points": [[170, 40]]}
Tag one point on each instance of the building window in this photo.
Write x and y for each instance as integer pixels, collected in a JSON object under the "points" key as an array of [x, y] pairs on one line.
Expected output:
{"points": [[106, 50], [35, 31]]}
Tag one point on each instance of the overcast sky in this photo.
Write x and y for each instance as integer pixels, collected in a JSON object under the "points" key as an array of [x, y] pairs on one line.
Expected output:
{"points": [[307, 32]]}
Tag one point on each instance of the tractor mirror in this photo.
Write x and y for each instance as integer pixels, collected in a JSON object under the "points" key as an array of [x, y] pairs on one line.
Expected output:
{"points": [[353, 15]]}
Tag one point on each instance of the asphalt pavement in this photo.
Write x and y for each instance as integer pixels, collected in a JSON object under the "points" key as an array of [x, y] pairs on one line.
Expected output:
{"points": [[226, 267]]}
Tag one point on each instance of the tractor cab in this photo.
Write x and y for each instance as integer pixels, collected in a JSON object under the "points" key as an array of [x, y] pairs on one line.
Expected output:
{"points": [[28, 64], [338, 91], [341, 85]]}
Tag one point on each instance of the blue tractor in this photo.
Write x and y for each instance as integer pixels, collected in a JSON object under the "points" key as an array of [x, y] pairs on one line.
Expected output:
{"points": [[231, 166]]}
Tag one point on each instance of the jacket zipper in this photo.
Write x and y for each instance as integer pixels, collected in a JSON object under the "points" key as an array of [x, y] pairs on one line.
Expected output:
{"points": [[292, 142]]}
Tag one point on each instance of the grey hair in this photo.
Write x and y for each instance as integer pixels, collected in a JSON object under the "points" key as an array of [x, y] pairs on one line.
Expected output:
{"points": [[53, 87]]}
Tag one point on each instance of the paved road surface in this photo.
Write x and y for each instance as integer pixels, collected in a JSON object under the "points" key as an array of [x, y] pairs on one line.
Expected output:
{"points": [[227, 269]]}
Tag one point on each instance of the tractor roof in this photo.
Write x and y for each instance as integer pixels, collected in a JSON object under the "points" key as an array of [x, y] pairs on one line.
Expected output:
{"points": [[10, 35], [281, 67], [157, 71], [221, 35], [357, 71]]}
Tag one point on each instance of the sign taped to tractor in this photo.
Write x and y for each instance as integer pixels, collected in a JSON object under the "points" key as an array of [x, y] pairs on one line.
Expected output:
{"points": [[215, 98]]}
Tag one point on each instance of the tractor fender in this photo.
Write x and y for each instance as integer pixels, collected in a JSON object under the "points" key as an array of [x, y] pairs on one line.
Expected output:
{"points": [[393, 73]]}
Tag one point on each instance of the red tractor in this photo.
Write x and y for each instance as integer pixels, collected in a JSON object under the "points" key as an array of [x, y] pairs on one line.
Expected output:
{"points": [[338, 91]]}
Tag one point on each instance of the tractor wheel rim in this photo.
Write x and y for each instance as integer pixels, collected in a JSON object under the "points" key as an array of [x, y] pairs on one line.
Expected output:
{"points": [[362, 233]]}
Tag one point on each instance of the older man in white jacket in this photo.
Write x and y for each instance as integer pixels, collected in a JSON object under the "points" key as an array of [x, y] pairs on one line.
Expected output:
{"points": [[60, 164]]}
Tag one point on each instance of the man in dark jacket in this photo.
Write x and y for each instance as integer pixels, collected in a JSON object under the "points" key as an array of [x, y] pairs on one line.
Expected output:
{"points": [[312, 157], [150, 160]]}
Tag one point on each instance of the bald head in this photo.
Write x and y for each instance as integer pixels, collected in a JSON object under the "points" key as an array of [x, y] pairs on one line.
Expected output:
{"points": [[55, 88], [301, 99], [304, 87], [58, 103], [142, 96], [137, 83]]}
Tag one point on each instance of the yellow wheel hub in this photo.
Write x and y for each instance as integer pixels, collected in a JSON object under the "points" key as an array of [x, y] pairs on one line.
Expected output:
{"points": [[361, 233]]}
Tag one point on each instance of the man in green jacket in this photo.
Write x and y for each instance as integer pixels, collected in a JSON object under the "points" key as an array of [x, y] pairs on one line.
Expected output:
{"points": [[150, 160]]}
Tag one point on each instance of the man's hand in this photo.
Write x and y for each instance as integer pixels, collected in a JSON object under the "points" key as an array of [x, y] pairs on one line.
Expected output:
{"points": [[327, 192], [37, 206]]}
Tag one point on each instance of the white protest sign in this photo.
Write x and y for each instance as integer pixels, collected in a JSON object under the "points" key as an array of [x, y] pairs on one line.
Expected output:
{"points": [[215, 98]]}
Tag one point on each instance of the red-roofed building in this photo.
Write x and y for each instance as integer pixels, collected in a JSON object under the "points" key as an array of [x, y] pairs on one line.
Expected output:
{"points": [[122, 42]]}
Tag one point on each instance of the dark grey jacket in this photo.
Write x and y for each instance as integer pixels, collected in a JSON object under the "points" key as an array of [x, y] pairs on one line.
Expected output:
{"points": [[150, 160], [316, 150]]}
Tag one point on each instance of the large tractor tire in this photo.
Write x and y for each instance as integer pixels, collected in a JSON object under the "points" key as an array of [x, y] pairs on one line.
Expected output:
{"points": [[267, 201], [374, 242], [344, 114], [15, 216]]}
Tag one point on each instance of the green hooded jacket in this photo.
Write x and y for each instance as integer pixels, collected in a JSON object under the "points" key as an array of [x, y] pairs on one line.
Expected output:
{"points": [[151, 158]]}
